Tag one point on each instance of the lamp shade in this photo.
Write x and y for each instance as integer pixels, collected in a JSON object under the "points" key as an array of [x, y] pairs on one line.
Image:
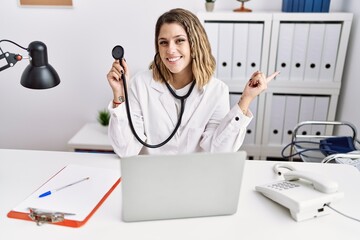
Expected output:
{"points": [[39, 74]]}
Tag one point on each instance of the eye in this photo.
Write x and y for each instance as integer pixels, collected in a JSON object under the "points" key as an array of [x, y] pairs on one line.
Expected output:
{"points": [[180, 40], [163, 42]]}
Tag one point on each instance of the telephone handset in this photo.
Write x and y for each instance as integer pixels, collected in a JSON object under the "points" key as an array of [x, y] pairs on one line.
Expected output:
{"points": [[319, 183], [305, 194]]}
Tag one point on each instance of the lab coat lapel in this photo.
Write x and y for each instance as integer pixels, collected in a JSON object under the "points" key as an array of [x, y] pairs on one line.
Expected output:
{"points": [[167, 100], [191, 103]]}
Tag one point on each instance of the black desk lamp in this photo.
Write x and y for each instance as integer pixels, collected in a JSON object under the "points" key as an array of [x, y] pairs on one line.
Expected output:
{"points": [[39, 74]]}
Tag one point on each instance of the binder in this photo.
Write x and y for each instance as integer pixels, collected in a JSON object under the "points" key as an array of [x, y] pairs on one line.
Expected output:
{"points": [[212, 31], [321, 107], [251, 130], [329, 54], [299, 46], [285, 46], [287, 5], [292, 106], [277, 119], [317, 7], [306, 112], [240, 52], [255, 41], [72, 206], [325, 6], [314, 52], [309, 5], [302, 5], [295, 7], [234, 99], [225, 51]]}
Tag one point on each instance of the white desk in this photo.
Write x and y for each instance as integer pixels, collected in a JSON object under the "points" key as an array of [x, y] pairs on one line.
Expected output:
{"points": [[21, 172], [92, 137]]}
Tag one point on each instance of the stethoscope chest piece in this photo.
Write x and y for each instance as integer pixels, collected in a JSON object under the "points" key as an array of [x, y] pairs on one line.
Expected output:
{"points": [[118, 52]]}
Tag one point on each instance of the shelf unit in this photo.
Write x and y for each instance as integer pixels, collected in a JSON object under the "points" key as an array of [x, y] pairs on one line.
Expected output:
{"points": [[309, 49]]}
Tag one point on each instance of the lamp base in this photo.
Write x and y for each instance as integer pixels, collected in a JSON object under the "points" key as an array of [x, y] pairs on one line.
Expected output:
{"points": [[242, 9]]}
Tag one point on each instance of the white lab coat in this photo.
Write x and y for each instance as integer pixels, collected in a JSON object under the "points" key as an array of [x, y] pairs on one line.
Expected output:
{"points": [[208, 124]]}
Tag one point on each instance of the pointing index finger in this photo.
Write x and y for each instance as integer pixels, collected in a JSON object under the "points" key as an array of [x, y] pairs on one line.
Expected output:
{"points": [[272, 76]]}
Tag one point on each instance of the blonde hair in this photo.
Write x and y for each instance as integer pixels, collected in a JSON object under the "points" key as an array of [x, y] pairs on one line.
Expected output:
{"points": [[203, 62]]}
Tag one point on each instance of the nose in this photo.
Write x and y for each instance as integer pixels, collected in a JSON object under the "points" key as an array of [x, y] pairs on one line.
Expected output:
{"points": [[171, 48]]}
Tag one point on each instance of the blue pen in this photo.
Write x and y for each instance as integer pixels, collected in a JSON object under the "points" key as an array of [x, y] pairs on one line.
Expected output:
{"points": [[58, 189]]}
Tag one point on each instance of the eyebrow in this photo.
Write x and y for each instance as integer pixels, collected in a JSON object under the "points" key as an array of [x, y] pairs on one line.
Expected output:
{"points": [[177, 36]]}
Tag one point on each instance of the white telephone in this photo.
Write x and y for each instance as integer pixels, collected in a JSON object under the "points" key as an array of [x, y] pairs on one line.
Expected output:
{"points": [[305, 194]]}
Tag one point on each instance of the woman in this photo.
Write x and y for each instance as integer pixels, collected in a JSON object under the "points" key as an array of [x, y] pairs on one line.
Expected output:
{"points": [[183, 59]]}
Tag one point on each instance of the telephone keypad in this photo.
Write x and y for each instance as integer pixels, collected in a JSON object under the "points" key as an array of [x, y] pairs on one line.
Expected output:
{"points": [[285, 185]]}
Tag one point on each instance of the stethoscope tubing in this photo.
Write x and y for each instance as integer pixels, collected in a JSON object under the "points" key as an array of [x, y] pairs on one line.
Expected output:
{"points": [[182, 108]]}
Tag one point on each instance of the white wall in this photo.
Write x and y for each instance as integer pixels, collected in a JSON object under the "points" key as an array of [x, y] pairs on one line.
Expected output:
{"points": [[348, 108], [79, 41]]}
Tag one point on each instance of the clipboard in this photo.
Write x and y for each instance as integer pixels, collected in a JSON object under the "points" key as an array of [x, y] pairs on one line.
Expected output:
{"points": [[72, 206]]}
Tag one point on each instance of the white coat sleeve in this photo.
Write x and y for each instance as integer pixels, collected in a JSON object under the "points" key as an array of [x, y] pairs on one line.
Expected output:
{"points": [[226, 130], [119, 133]]}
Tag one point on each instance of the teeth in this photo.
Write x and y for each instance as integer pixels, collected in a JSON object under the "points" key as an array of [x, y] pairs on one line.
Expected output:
{"points": [[173, 59]]}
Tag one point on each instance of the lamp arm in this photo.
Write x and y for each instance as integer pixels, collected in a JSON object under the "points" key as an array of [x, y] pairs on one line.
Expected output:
{"points": [[11, 58]]}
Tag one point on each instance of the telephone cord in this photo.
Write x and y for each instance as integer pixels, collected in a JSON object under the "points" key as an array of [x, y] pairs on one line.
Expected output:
{"points": [[341, 213]]}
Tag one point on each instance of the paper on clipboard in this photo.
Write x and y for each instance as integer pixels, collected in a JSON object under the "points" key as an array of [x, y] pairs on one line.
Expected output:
{"points": [[80, 200]]}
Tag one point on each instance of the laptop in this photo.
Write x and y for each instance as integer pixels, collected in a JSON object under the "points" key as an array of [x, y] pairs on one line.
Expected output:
{"points": [[157, 187]]}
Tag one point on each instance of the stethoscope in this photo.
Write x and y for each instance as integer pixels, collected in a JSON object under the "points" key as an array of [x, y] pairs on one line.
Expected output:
{"points": [[118, 54]]}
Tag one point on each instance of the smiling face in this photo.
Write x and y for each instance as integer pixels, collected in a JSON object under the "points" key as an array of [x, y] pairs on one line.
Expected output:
{"points": [[182, 50], [174, 49]]}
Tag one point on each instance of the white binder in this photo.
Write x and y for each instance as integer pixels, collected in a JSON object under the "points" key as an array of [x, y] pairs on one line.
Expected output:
{"points": [[254, 47], [240, 52], [212, 31], [314, 52], [320, 114], [277, 119], [251, 131], [299, 52], [306, 112], [285, 46], [234, 98], [225, 51], [329, 54], [292, 107]]}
